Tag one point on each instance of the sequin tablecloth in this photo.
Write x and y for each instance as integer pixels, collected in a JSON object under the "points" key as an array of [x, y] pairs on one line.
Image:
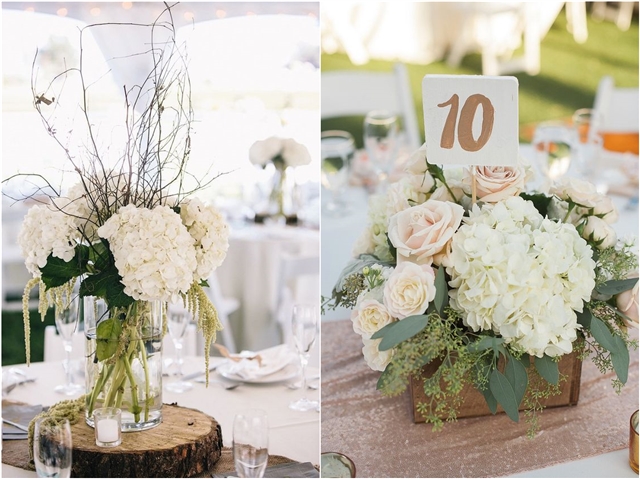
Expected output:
{"points": [[379, 435]]}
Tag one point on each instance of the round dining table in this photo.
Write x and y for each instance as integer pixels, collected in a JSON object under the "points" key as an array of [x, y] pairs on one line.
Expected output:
{"points": [[293, 434]]}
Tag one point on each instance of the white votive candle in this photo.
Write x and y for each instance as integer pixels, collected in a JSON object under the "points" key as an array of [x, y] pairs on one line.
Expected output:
{"points": [[108, 430]]}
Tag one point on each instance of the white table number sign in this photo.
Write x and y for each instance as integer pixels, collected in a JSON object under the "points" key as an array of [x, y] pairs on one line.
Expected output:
{"points": [[471, 120]]}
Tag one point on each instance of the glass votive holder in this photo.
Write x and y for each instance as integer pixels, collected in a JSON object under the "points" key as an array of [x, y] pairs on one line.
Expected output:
{"points": [[107, 426], [633, 442]]}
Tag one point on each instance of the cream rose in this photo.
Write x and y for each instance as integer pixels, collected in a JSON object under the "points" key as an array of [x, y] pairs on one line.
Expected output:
{"points": [[579, 191], [627, 303], [599, 231], [421, 232], [606, 209], [376, 359], [369, 317], [495, 183], [417, 162], [409, 289]]}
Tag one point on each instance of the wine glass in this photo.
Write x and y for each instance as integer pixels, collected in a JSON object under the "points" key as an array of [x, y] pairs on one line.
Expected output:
{"points": [[178, 319], [251, 443], [67, 322], [381, 142], [52, 447], [304, 325], [554, 145], [337, 149], [586, 122]]}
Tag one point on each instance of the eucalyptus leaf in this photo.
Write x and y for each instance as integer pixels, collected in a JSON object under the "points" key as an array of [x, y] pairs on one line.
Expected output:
{"points": [[601, 333], [441, 300], [620, 360], [107, 335], [394, 333], [485, 342], [492, 403], [525, 360], [504, 394], [613, 287], [517, 376], [484, 368], [584, 317], [547, 368]]}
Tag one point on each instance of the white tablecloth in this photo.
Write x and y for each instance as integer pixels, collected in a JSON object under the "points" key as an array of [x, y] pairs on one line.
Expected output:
{"points": [[250, 274], [292, 434]]}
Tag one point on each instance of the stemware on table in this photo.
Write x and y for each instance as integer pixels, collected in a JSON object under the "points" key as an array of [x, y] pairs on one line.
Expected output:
{"points": [[52, 447], [381, 142], [66, 318], [251, 443], [337, 150], [304, 326], [178, 319], [587, 122], [554, 145]]}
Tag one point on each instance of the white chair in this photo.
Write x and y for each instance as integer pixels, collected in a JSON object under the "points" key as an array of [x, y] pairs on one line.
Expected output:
{"points": [[225, 306], [356, 92], [620, 13], [616, 108]]}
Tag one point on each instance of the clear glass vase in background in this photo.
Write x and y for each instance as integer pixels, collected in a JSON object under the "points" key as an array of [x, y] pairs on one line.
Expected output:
{"points": [[337, 149], [381, 142], [304, 326], [123, 365]]}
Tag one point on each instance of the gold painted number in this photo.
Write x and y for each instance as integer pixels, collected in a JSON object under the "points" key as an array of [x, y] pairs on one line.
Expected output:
{"points": [[465, 133]]}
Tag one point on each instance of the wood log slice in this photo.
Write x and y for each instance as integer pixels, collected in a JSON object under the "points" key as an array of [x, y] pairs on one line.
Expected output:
{"points": [[185, 444]]}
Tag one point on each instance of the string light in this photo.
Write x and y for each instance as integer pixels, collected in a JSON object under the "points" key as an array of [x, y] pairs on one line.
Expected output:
{"points": [[95, 11], [62, 12], [127, 5]]}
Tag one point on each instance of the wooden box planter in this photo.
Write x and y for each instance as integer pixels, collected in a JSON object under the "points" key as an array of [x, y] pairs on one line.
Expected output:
{"points": [[475, 405]]}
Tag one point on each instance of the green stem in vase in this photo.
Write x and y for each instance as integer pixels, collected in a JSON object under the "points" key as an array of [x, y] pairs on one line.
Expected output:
{"points": [[97, 389], [118, 380], [145, 367], [135, 407]]}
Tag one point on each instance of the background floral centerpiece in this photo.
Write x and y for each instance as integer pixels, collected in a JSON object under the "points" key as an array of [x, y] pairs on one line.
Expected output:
{"points": [[278, 154], [491, 292], [129, 234]]}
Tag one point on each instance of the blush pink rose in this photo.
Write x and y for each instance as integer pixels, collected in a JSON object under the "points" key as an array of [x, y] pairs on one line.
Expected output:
{"points": [[627, 303], [423, 231], [496, 183]]}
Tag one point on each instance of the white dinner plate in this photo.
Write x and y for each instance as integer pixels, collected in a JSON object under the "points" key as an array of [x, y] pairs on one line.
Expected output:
{"points": [[290, 371]]}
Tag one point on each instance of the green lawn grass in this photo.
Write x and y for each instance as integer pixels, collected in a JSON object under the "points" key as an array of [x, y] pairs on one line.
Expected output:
{"points": [[568, 78]]}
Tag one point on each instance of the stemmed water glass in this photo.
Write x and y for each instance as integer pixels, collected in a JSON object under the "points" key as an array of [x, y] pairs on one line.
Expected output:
{"points": [[251, 443], [304, 325], [587, 122], [337, 149], [554, 145], [178, 319], [52, 447], [67, 322], [381, 142]]}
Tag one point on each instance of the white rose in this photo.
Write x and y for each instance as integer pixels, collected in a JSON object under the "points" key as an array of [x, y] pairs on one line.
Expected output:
{"points": [[600, 232], [364, 244], [369, 317], [421, 232], [294, 153], [495, 183], [376, 360], [417, 162], [263, 151], [409, 289], [606, 207], [627, 303], [579, 191]]}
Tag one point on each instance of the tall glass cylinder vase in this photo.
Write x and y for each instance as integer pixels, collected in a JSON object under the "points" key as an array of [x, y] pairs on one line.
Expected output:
{"points": [[280, 197], [124, 361]]}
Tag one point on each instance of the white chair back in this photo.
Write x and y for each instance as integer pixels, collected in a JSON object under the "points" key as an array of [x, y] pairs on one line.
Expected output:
{"points": [[616, 108], [347, 93]]}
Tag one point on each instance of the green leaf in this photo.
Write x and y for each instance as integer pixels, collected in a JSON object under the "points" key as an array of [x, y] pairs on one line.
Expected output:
{"points": [[547, 368], [436, 172], [394, 333], [392, 249], [107, 335], [108, 285], [525, 360], [492, 403], [584, 317], [516, 374], [204, 283], [441, 300], [601, 333], [483, 368], [504, 394], [620, 360], [540, 201], [385, 373], [58, 272], [616, 286], [485, 342]]}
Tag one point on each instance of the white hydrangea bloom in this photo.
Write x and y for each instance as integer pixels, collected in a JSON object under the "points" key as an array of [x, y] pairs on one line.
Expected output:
{"points": [[153, 251], [46, 230], [211, 234], [521, 275]]}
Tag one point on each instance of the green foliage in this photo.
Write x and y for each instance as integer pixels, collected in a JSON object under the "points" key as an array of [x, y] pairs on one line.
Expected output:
{"points": [[58, 272], [547, 368], [394, 333], [614, 286], [107, 336], [539, 200], [537, 392], [504, 393], [615, 264]]}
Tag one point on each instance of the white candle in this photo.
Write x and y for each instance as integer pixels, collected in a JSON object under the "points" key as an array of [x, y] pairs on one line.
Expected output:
{"points": [[108, 430]]}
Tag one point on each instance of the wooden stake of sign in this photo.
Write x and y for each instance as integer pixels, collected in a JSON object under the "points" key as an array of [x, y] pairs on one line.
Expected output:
{"points": [[471, 120]]}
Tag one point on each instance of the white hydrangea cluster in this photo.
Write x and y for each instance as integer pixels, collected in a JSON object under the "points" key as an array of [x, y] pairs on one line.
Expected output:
{"points": [[153, 251], [521, 275], [211, 234], [46, 230]]}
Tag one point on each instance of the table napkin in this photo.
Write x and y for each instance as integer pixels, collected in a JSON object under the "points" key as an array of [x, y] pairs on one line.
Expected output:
{"points": [[21, 414], [272, 360]]}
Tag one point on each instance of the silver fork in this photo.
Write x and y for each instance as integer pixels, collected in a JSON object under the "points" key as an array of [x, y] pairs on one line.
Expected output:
{"points": [[11, 387]]}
